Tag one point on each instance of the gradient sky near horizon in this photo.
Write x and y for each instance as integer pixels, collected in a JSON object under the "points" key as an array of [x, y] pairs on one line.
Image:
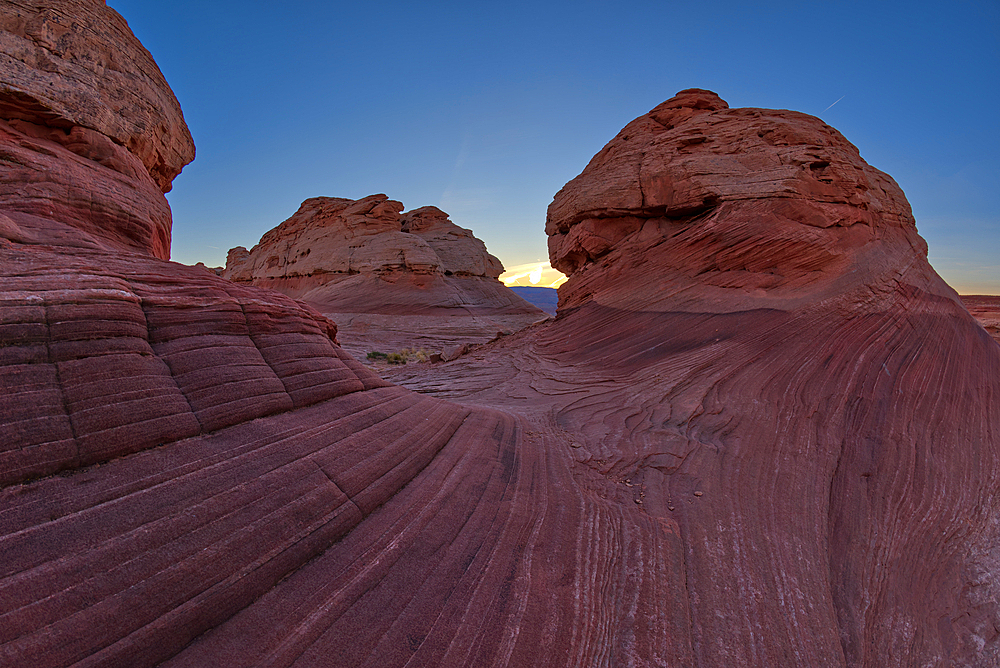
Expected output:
{"points": [[486, 109]]}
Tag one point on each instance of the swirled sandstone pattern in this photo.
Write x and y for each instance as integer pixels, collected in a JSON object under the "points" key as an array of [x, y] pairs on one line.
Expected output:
{"points": [[808, 479], [753, 351]]}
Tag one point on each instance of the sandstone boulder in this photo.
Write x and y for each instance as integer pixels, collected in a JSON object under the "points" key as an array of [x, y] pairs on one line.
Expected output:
{"points": [[90, 133], [753, 355], [391, 280], [329, 238]]}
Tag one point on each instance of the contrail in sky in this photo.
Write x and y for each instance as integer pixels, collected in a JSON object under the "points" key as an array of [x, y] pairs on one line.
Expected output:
{"points": [[841, 98]]}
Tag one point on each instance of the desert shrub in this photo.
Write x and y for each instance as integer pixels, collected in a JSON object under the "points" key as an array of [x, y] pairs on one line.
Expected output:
{"points": [[412, 354], [400, 357]]}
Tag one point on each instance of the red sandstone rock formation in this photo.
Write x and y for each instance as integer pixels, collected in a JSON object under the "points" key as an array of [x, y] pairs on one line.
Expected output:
{"points": [[753, 355], [90, 133], [210, 439], [986, 309], [390, 280], [706, 481]]}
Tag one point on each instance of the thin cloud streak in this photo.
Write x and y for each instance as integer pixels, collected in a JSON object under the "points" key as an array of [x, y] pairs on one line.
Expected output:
{"points": [[838, 100]]}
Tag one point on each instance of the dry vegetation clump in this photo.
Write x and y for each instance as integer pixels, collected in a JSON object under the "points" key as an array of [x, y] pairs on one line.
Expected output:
{"points": [[399, 357]]}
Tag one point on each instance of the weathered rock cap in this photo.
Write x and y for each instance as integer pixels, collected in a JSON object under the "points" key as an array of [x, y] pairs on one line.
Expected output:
{"points": [[87, 119], [693, 154], [694, 98], [331, 236], [76, 63]]}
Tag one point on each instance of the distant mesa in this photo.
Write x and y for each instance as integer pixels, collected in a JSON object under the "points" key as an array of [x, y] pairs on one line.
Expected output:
{"points": [[546, 299], [331, 237], [368, 265]]}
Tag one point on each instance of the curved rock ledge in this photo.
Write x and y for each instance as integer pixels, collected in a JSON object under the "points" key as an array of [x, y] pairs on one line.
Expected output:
{"points": [[761, 431]]}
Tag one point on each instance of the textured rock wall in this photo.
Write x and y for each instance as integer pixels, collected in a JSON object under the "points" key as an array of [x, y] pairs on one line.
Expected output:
{"points": [[753, 353], [331, 236], [90, 133], [210, 439]]}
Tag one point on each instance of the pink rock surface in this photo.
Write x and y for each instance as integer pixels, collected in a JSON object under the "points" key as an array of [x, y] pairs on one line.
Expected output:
{"points": [[761, 362], [718, 478], [986, 309], [75, 66], [329, 238], [90, 133]]}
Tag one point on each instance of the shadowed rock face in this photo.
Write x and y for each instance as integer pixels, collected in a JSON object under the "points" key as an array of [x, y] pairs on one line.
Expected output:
{"points": [[391, 280], [723, 477], [90, 133]]}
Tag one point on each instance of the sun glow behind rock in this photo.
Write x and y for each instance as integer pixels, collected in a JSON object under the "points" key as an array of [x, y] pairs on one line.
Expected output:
{"points": [[537, 273]]}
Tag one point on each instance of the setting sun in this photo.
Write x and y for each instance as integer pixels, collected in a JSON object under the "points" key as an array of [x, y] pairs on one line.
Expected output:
{"points": [[536, 273]]}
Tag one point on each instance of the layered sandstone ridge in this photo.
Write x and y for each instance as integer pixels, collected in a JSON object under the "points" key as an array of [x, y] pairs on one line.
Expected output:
{"points": [[753, 353], [332, 235], [745, 207], [689, 466], [90, 133], [210, 439], [391, 280]]}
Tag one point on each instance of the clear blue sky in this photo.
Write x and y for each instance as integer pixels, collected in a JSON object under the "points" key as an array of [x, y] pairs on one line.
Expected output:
{"points": [[486, 109]]}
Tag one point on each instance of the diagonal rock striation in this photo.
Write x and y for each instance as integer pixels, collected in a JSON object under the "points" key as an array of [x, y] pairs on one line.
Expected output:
{"points": [[761, 430], [752, 343]]}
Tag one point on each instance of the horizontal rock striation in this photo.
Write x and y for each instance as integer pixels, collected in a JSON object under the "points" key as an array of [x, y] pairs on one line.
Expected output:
{"points": [[90, 133], [74, 65], [104, 356], [986, 309]]}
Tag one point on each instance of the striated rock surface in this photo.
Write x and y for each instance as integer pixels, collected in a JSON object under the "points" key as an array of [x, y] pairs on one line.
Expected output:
{"points": [[722, 477], [986, 309], [390, 280], [753, 355], [209, 439], [90, 133]]}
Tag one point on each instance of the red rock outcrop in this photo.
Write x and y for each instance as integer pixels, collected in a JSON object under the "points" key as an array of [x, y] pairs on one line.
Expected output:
{"points": [[710, 480], [985, 309], [753, 354], [391, 280], [210, 439], [90, 133], [330, 238]]}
